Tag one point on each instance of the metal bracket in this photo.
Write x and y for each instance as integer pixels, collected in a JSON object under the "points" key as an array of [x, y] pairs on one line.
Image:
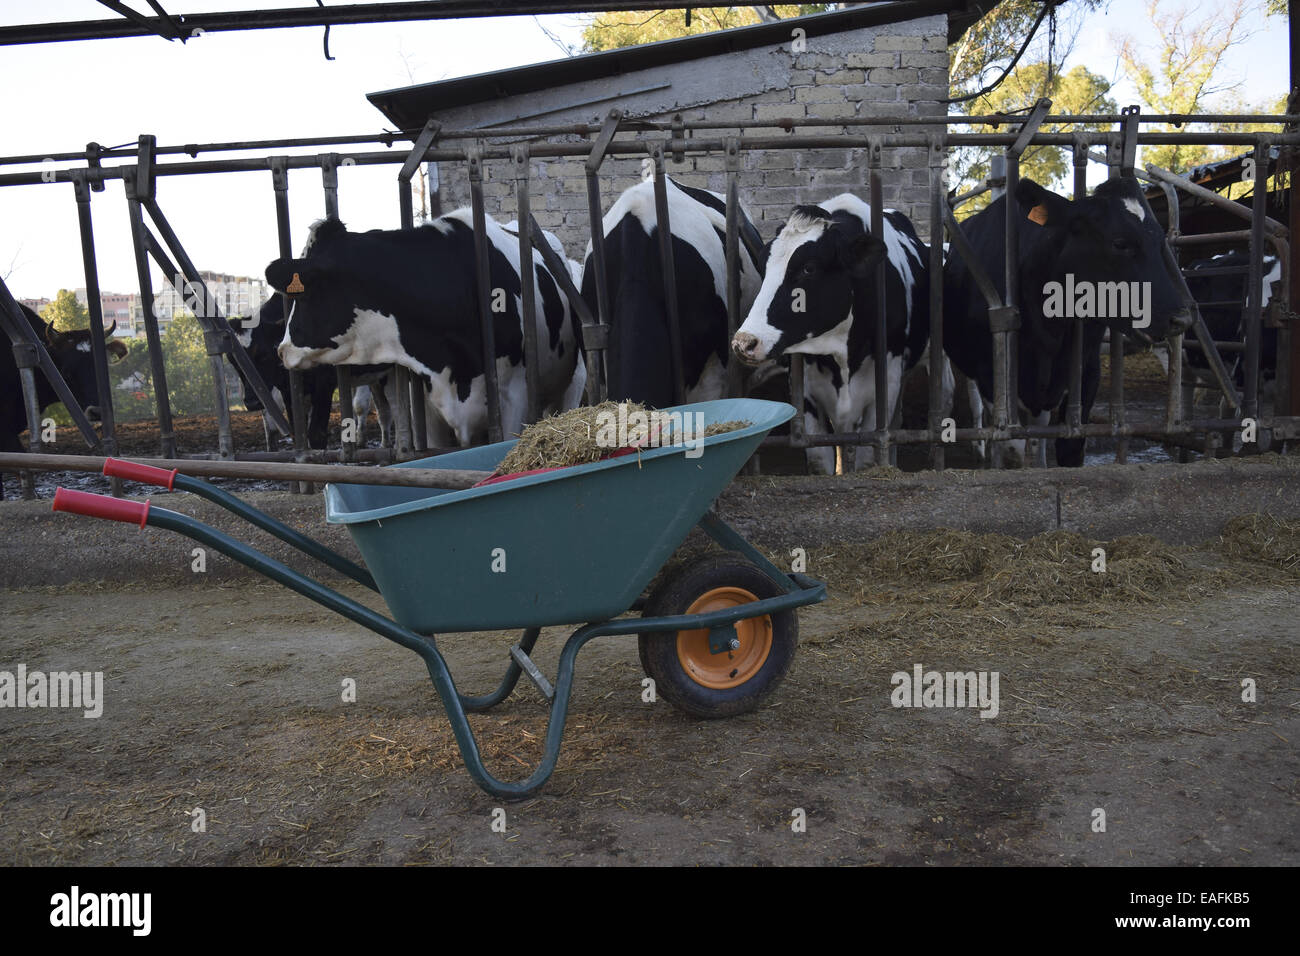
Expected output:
{"points": [[679, 138], [603, 139], [525, 662], [93, 151], [1004, 318], [145, 180], [1130, 132], [1030, 126], [723, 639], [474, 159]]}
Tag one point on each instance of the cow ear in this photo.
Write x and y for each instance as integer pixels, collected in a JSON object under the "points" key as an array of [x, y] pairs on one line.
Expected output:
{"points": [[53, 337], [864, 251], [290, 275], [1041, 205]]}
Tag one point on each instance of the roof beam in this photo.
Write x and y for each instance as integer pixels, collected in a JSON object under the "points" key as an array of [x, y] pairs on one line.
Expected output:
{"points": [[391, 12]]}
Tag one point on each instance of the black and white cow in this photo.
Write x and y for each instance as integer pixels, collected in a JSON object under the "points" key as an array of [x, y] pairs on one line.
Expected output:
{"points": [[409, 297], [70, 352], [639, 359], [1222, 301], [818, 299], [261, 340], [1097, 260]]}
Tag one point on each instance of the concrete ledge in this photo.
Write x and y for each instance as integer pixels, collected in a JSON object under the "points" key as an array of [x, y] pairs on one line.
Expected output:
{"points": [[1180, 504]]}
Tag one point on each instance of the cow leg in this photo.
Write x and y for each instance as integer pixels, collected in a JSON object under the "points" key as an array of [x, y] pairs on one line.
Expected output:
{"points": [[514, 398], [383, 411], [821, 459], [1069, 451], [979, 413], [577, 387], [1038, 446]]}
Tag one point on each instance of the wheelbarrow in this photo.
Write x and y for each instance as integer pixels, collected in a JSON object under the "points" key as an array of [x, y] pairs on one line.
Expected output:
{"points": [[572, 546]]}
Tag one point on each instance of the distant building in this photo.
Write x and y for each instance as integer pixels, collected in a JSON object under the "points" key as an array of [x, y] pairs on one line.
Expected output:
{"points": [[35, 304], [119, 307], [233, 295]]}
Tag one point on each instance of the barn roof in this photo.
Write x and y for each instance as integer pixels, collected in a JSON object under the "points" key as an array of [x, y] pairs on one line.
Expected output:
{"points": [[407, 108]]}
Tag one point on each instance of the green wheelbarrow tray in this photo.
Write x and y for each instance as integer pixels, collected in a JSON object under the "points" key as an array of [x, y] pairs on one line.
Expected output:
{"points": [[572, 546], [563, 547]]}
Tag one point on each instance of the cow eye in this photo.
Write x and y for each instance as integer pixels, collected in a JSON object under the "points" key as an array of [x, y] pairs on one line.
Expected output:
{"points": [[1124, 246], [809, 268]]}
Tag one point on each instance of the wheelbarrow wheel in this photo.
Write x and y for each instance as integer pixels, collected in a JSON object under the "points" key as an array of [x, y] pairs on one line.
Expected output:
{"points": [[685, 671]]}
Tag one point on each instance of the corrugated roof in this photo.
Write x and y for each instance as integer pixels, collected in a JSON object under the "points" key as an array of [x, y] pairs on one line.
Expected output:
{"points": [[407, 108]]}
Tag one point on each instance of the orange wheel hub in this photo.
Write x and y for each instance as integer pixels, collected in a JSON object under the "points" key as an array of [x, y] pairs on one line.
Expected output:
{"points": [[730, 668]]}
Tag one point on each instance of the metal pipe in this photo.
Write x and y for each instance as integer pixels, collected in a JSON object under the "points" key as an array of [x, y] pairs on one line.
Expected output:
{"points": [[938, 168], [664, 226], [735, 371], [876, 190], [1254, 309], [98, 349], [157, 367], [483, 285], [528, 285], [1215, 199]]}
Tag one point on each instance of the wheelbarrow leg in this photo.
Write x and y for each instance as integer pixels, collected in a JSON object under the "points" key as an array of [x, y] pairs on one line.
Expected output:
{"points": [[452, 703], [484, 702]]}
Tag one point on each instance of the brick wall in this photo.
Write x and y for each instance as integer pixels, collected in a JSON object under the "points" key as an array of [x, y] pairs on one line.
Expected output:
{"points": [[895, 70]]}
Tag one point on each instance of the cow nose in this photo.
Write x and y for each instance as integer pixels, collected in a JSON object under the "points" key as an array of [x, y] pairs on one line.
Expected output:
{"points": [[1181, 321], [288, 355], [92, 412], [746, 347]]}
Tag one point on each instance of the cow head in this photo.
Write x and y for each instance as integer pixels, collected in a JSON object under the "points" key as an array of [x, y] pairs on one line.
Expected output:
{"points": [[807, 296], [71, 354], [324, 287], [260, 340], [1109, 241]]}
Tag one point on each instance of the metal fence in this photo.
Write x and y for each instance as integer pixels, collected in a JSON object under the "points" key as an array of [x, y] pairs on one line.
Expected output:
{"points": [[658, 140]]}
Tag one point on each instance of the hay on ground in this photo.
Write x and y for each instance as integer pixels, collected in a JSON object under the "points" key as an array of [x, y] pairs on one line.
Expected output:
{"points": [[1262, 539]]}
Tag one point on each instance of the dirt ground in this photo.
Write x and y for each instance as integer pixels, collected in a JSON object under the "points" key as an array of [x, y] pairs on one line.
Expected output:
{"points": [[1125, 699]]}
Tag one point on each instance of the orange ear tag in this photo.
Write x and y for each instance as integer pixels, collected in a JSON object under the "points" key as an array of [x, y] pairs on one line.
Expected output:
{"points": [[1038, 214], [295, 285]]}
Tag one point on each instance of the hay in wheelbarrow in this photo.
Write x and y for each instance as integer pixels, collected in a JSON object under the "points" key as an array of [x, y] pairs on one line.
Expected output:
{"points": [[584, 434]]}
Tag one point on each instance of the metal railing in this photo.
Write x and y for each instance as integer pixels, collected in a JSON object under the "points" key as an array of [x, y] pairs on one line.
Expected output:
{"points": [[517, 146]]}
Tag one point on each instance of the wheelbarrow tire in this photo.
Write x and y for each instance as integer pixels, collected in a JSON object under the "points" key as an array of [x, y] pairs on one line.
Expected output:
{"points": [[685, 673]]}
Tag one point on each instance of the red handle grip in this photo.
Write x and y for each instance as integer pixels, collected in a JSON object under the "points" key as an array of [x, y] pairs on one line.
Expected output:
{"points": [[100, 506], [145, 474]]}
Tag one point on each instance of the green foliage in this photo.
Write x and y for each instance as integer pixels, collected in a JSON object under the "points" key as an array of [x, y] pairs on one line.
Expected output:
{"points": [[1079, 91], [988, 45], [189, 374], [611, 31], [1179, 75], [66, 312]]}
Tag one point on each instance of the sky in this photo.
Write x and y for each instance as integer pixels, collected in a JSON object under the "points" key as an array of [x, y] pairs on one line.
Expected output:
{"points": [[277, 83]]}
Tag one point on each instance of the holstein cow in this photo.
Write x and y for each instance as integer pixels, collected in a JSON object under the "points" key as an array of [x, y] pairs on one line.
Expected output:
{"points": [[409, 297], [1096, 260], [71, 354], [819, 299], [639, 359], [1222, 299], [261, 340]]}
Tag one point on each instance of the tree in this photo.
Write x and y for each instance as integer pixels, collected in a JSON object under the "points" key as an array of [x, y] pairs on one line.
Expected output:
{"points": [[611, 31], [989, 44], [66, 313], [1078, 91], [1186, 59]]}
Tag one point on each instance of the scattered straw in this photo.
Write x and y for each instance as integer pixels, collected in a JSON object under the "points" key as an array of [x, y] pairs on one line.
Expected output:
{"points": [[1263, 539]]}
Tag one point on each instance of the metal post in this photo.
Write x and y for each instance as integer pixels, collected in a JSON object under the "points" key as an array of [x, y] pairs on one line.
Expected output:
{"points": [[140, 186], [1254, 313], [528, 285], [98, 350], [411, 406], [280, 183], [1074, 400], [664, 226], [881, 307], [216, 346], [401, 377], [1011, 349], [735, 370], [595, 338], [938, 196], [482, 274]]}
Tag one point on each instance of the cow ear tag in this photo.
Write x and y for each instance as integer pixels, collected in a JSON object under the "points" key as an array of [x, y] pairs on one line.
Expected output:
{"points": [[295, 285], [1038, 214]]}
